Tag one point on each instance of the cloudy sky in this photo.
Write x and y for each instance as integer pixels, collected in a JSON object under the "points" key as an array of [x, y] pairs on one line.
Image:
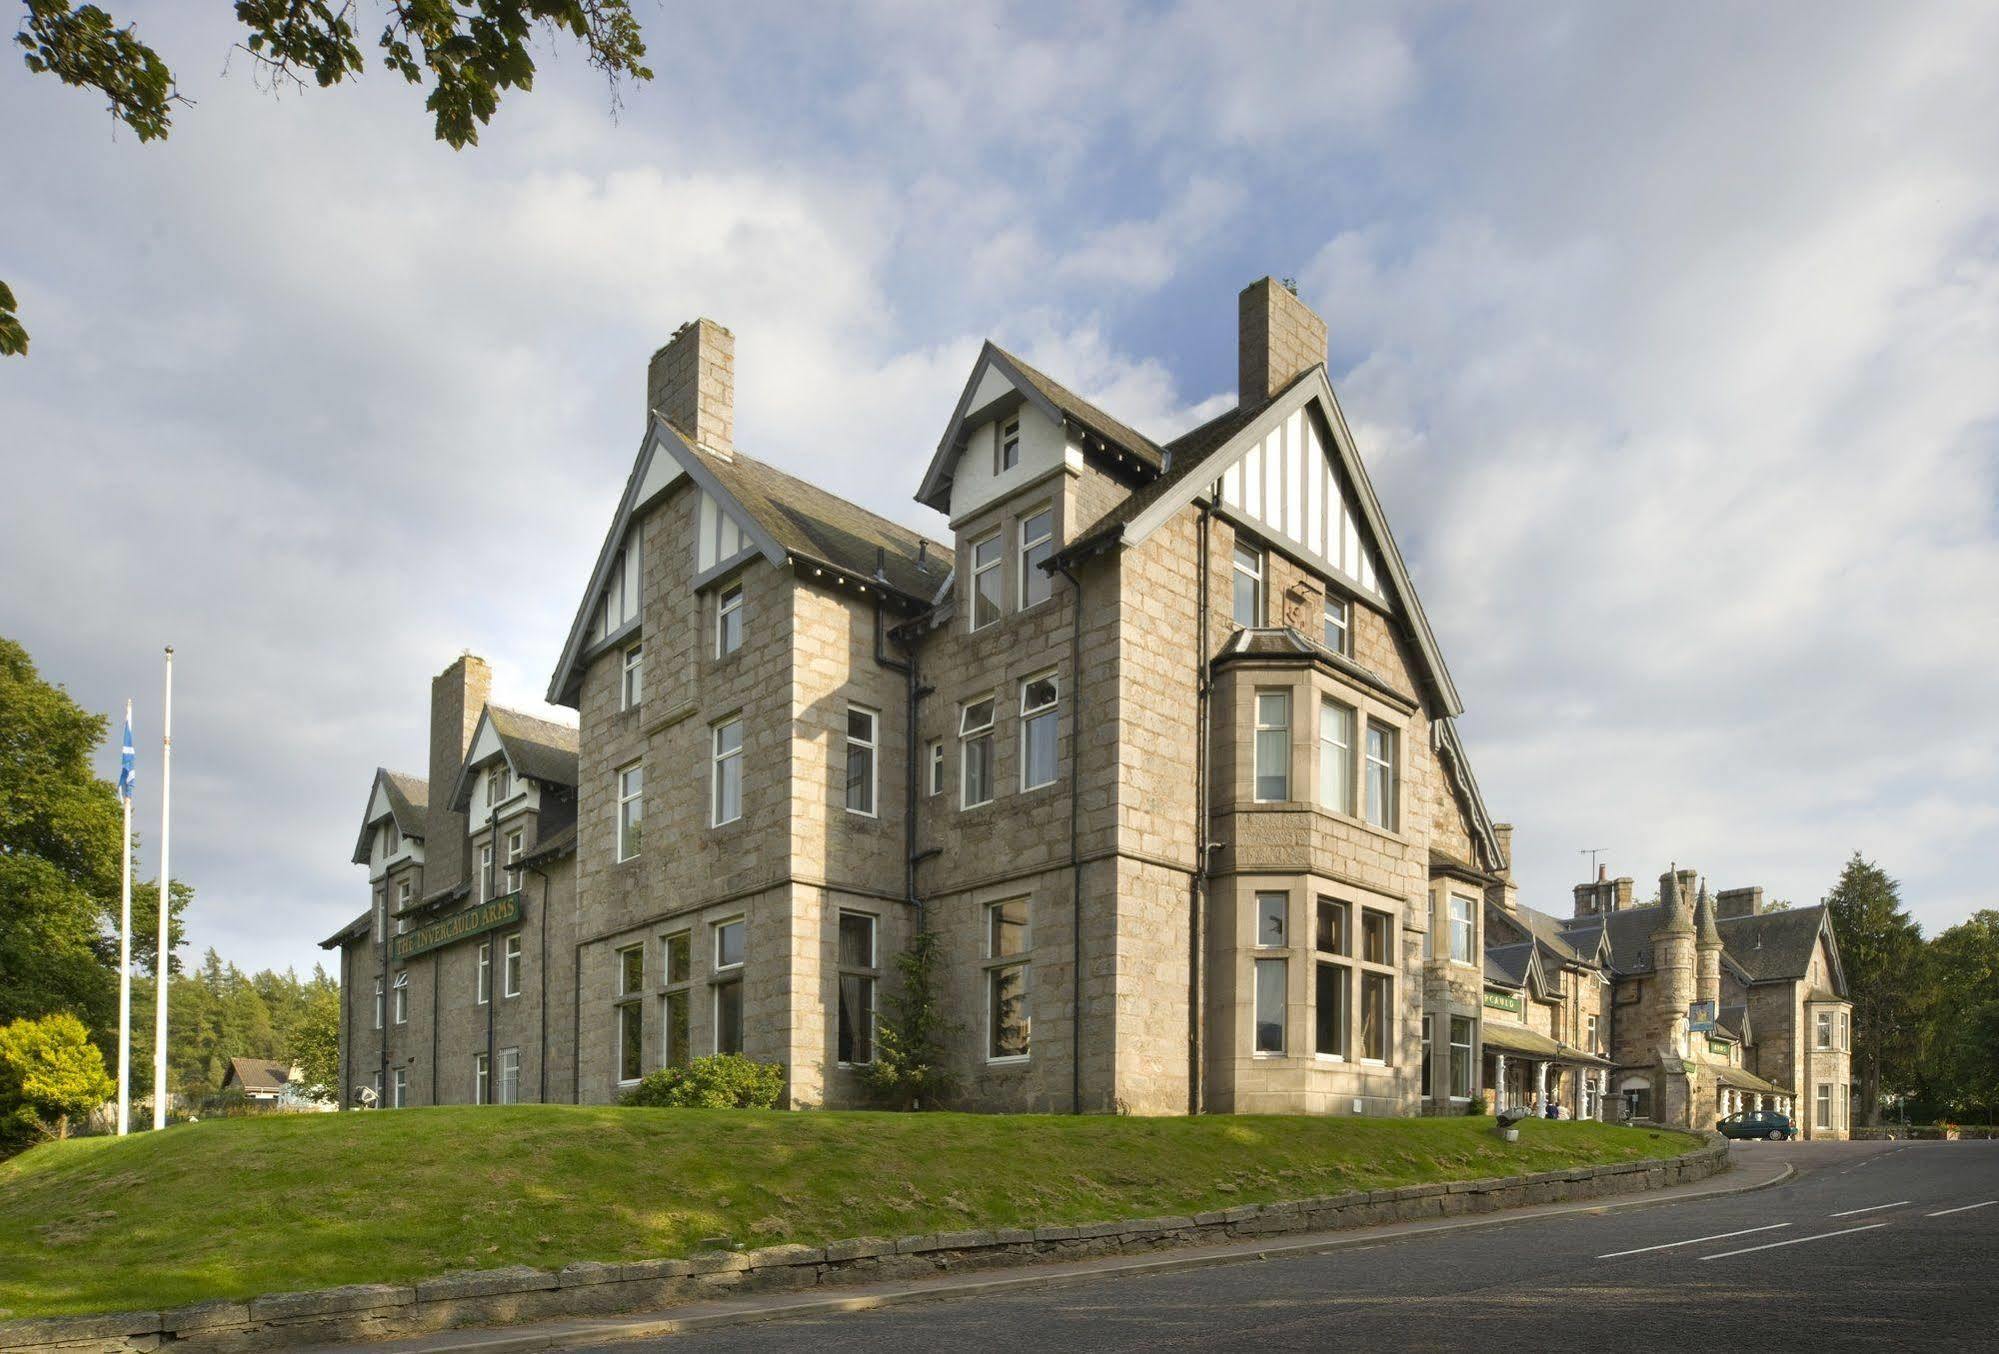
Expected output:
{"points": [[1670, 333]]}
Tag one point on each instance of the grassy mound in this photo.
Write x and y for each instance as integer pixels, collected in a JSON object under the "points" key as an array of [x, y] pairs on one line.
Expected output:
{"points": [[235, 1207]]}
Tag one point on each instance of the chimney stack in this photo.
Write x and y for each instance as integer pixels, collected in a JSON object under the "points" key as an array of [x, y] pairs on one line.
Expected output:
{"points": [[1277, 337], [457, 695], [1623, 883], [1745, 902], [1505, 894], [691, 383]]}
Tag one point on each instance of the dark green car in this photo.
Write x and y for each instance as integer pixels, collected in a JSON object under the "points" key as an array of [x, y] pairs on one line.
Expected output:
{"points": [[1758, 1124]]}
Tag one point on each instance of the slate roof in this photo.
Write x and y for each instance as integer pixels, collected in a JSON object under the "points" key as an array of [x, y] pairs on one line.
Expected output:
{"points": [[409, 801], [1075, 407], [1283, 641], [1767, 947], [1548, 933], [810, 522], [538, 748], [553, 846], [1508, 965], [265, 1075], [1184, 455], [357, 927]]}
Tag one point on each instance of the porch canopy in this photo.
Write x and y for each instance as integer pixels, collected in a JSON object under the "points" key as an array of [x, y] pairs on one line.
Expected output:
{"points": [[1518, 1040]]}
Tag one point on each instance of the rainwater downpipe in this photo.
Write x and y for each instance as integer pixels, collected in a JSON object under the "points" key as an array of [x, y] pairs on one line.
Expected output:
{"points": [[1075, 846]]}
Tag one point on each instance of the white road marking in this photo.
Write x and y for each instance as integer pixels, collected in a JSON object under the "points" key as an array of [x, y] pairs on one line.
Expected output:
{"points": [[1694, 1241], [1798, 1241], [1871, 1208], [1941, 1211]]}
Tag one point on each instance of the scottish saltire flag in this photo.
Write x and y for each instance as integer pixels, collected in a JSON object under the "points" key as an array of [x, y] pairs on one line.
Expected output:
{"points": [[127, 773]]}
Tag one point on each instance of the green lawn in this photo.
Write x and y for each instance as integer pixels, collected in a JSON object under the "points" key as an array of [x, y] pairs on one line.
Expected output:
{"points": [[234, 1207]]}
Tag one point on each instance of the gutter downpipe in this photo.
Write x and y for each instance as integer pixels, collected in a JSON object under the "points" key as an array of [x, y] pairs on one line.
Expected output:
{"points": [[1075, 846], [1197, 985], [541, 1065], [911, 759]]}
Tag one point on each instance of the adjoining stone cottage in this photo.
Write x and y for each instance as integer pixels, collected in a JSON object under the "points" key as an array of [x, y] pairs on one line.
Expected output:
{"points": [[1158, 740]]}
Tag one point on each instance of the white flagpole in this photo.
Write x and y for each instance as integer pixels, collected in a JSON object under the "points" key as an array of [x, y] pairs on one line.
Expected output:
{"points": [[125, 961], [161, 965]]}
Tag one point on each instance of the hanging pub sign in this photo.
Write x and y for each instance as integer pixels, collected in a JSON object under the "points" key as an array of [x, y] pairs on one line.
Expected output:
{"points": [[1701, 1016], [488, 916], [1502, 1001]]}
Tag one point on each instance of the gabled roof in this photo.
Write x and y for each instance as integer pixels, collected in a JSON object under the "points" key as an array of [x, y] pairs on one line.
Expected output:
{"points": [[1545, 931], [351, 931], [266, 1075], [1510, 965], [1056, 402], [408, 799], [785, 519], [535, 749], [1771, 945]]}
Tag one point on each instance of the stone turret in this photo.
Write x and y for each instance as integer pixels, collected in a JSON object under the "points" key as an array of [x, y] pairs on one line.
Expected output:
{"points": [[1673, 957], [1707, 950]]}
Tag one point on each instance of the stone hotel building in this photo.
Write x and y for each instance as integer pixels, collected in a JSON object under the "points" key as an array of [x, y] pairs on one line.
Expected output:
{"points": [[1155, 737]]}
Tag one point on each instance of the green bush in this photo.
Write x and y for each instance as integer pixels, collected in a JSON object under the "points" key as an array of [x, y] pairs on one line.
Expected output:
{"points": [[720, 1081], [50, 1072]]}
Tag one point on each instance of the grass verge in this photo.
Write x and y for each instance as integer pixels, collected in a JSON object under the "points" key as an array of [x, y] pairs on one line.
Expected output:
{"points": [[237, 1207]]}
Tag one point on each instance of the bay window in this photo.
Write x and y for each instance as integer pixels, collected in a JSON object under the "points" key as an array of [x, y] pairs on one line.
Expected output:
{"points": [[1272, 769], [987, 583], [1381, 776], [1336, 756]]}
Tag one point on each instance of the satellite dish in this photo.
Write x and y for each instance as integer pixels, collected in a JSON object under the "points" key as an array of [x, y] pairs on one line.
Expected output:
{"points": [[365, 1096]]}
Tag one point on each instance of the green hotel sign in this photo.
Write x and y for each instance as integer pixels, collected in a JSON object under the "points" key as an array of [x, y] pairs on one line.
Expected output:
{"points": [[490, 916], [1502, 1001]]}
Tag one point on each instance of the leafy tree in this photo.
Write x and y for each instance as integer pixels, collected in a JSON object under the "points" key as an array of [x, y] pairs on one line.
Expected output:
{"points": [[312, 1039], [1962, 1066], [1885, 962], [59, 830], [720, 1081], [909, 1067], [50, 1073], [467, 55]]}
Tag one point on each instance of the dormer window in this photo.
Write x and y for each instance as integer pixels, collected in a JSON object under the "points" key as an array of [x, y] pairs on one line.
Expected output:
{"points": [[1006, 446], [987, 584], [499, 784], [1248, 611], [391, 839]]}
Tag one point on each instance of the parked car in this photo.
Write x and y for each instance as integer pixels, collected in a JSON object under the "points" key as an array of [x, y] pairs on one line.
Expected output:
{"points": [[1758, 1124]]}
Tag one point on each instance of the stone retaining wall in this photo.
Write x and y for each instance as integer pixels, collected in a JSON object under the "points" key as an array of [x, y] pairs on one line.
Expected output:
{"points": [[590, 1288], [1920, 1133]]}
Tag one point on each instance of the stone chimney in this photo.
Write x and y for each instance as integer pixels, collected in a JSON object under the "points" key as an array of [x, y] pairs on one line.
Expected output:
{"points": [[457, 695], [1277, 336], [691, 383], [1623, 883], [1738, 902], [1506, 894], [1599, 895]]}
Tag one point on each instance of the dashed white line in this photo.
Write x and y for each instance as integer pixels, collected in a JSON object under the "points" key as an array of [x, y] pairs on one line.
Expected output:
{"points": [[1694, 1241], [1797, 1241], [1962, 1208], [1871, 1208]]}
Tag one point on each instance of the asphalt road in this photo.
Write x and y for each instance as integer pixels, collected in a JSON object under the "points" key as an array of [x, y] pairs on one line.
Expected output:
{"points": [[1871, 1246]]}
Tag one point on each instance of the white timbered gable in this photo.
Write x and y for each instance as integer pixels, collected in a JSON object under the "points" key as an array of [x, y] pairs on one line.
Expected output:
{"points": [[1286, 487]]}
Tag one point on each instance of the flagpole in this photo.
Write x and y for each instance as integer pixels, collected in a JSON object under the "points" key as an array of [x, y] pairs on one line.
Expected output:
{"points": [[125, 940], [163, 963]]}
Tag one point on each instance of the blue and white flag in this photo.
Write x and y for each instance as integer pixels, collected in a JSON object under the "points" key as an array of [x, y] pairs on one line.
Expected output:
{"points": [[127, 772]]}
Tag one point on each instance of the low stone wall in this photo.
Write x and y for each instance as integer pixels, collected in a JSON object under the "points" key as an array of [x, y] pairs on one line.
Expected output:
{"points": [[1920, 1133], [589, 1288]]}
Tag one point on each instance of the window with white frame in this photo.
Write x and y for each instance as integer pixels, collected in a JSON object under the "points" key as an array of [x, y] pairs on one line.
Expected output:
{"points": [[381, 908], [1825, 1106], [862, 726], [1009, 1023], [1423, 1086], [676, 1002], [729, 620], [510, 965], [481, 1079], [1006, 445], [855, 1037], [1332, 986], [728, 953], [402, 989], [987, 581], [499, 784], [631, 973], [1461, 1036], [1845, 1031], [1271, 978], [399, 1095], [1590, 1028], [631, 809], [1336, 755], [634, 684], [392, 840], [1040, 727], [727, 802], [1273, 920], [378, 1003], [936, 763], [403, 892], [975, 752], [1824, 1039], [1272, 769], [1463, 933], [483, 986], [1248, 606], [510, 879], [485, 871], [510, 1076], [1377, 986], [1381, 776], [1037, 543], [1339, 624]]}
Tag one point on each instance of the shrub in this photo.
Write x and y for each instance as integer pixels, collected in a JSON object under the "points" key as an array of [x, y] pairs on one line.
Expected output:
{"points": [[908, 1068], [49, 1073], [720, 1081], [1476, 1107]]}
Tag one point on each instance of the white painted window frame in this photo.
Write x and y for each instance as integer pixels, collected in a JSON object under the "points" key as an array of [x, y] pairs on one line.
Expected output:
{"points": [[1051, 709], [632, 692], [725, 760], [969, 734], [510, 965], [1251, 562], [729, 605], [1261, 727], [976, 574], [1032, 579], [628, 783], [870, 746]]}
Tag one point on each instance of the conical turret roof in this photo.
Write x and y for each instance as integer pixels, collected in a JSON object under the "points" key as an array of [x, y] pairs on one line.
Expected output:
{"points": [[1709, 934], [1673, 918]]}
